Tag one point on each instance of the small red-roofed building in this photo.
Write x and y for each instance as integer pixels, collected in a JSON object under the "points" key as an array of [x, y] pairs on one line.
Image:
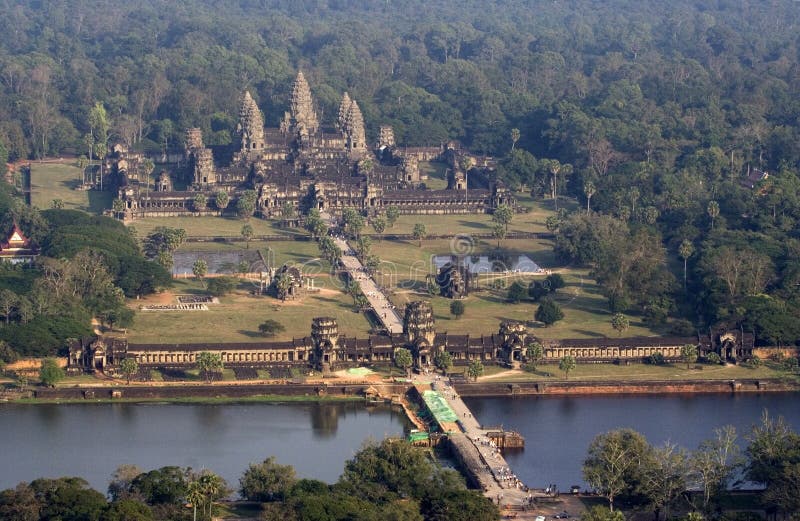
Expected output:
{"points": [[16, 248]]}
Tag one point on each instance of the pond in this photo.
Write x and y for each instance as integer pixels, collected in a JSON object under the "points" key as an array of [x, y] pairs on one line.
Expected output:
{"points": [[490, 264], [218, 262]]}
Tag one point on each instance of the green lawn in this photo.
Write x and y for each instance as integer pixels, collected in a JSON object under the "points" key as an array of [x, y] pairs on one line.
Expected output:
{"points": [[533, 221], [437, 174], [406, 266], [213, 226], [51, 181], [237, 316], [279, 252]]}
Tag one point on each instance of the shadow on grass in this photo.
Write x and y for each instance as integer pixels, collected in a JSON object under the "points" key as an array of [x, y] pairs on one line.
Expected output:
{"points": [[255, 334], [527, 323], [472, 224], [593, 334], [71, 184], [99, 201], [412, 284]]}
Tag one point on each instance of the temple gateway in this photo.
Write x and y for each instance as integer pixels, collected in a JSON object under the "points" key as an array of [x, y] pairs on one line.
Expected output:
{"points": [[326, 349], [305, 165]]}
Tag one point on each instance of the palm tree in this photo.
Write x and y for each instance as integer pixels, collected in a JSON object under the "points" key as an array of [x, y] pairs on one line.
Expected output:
{"points": [[713, 211], [589, 189], [148, 166], [466, 165], [685, 250]]}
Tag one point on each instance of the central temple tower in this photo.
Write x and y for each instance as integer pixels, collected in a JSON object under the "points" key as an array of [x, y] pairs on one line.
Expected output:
{"points": [[302, 119]]}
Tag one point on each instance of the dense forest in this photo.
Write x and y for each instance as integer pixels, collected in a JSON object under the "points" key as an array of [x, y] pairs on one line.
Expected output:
{"points": [[663, 115]]}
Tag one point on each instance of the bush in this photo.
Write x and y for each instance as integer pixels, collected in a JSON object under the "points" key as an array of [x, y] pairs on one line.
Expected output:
{"points": [[549, 312], [682, 327], [537, 290], [618, 303], [516, 292], [498, 284], [219, 286], [790, 364], [457, 308], [713, 358], [554, 282], [656, 359], [50, 373]]}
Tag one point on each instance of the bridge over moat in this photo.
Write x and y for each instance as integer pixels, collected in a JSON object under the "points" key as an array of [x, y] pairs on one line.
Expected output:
{"points": [[478, 453]]}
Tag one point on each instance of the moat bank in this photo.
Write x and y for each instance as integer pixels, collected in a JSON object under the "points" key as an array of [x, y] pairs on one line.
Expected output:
{"points": [[332, 390]]}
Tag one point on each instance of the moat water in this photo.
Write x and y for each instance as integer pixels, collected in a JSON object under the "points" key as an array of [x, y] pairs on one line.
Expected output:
{"points": [[91, 440], [558, 430]]}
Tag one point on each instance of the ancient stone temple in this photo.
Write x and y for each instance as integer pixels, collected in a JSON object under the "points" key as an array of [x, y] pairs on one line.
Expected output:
{"points": [[326, 348], [307, 165], [302, 120], [419, 330], [287, 282], [344, 110], [354, 132], [325, 335], [385, 137], [164, 182], [454, 279], [251, 126], [514, 335]]}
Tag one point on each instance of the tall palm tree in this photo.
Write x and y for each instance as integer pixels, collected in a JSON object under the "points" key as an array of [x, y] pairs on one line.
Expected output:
{"points": [[685, 250], [589, 189], [713, 211]]}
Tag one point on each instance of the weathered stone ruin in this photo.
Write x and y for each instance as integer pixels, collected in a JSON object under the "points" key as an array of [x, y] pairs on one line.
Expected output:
{"points": [[307, 165]]}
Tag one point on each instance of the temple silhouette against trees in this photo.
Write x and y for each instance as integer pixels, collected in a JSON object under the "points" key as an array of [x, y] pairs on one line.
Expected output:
{"points": [[302, 165]]}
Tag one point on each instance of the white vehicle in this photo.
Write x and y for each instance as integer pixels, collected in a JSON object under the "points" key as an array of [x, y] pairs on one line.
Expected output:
{"points": [[539, 518]]}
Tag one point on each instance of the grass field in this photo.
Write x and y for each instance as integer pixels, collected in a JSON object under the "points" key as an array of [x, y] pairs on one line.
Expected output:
{"points": [[405, 268], [437, 174], [213, 226], [51, 181], [585, 309], [533, 221], [278, 252], [237, 316]]}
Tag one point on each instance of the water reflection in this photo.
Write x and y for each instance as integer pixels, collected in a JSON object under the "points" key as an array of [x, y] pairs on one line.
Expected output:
{"points": [[490, 264], [50, 415], [324, 419], [315, 438]]}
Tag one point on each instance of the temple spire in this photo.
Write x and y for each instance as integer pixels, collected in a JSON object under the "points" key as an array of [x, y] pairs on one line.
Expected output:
{"points": [[344, 109], [302, 106], [251, 124], [354, 130]]}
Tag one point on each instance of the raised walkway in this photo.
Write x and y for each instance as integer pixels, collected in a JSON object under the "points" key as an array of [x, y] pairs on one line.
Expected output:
{"points": [[481, 459], [379, 302]]}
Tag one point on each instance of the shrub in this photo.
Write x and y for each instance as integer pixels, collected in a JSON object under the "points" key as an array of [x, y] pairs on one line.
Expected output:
{"points": [[219, 286]]}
